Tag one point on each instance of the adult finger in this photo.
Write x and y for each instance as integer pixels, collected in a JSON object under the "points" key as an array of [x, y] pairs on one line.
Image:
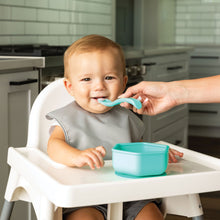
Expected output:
{"points": [[133, 90]]}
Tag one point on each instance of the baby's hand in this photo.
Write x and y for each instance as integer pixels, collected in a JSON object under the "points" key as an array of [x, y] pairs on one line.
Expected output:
{"points": [[172, 155], [91, 156]]}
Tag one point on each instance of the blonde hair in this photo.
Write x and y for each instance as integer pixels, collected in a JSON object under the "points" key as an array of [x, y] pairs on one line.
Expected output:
{"points": [[91, 43]]}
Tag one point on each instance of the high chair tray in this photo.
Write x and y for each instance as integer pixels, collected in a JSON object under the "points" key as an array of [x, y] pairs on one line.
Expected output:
{"points": [[69, 187]]}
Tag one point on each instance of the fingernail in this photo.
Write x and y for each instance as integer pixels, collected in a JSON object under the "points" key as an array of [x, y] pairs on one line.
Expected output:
{"points": [[145, 100], [139, 98]]}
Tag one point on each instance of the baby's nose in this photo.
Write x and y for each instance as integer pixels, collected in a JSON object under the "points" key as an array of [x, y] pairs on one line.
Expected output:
{"points": [[99, 85]]}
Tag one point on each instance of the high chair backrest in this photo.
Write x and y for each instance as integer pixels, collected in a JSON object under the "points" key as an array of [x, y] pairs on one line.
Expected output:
{"points": [[50, 98]]}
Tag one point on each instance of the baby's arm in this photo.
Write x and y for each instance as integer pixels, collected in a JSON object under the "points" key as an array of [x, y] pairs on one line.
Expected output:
{"points": [[59, 151]]}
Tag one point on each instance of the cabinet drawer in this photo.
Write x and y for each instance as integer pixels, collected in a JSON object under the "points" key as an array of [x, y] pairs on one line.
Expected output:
{"points": [[176, 133], [164, 119], [211, 59], [171, 71], [204, 114], [205, 56], [203, 71], [167, 67], [204, 119]]}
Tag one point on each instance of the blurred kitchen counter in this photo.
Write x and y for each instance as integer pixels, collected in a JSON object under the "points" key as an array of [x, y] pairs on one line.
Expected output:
{"points": [[162, 50], [15, 62], [131, 52]]}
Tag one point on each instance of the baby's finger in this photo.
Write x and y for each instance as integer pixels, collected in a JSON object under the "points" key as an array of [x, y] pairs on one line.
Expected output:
{"points": [[102, 150], [98, 159], [90, 163], [172, 157], [177, 153], [92, 159]]}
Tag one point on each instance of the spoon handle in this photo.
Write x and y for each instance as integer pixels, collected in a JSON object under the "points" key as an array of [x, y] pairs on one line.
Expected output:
{"points": [[136, 103]]}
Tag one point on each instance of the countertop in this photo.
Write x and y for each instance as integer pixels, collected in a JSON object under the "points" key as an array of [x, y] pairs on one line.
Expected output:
{"points": [[15, 62], [166, 50], [131, 53]]}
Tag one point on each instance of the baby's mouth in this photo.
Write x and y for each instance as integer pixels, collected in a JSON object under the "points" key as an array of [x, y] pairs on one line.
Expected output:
{"points": [[99, 97]]}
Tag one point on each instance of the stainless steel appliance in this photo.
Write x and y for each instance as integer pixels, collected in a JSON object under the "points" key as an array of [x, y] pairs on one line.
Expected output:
{"points": [[135, 71]]}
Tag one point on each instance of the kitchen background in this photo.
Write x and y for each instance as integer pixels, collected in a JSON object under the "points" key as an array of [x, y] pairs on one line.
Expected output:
{"points": [[151, 32], [54, 22], [57, 22]]}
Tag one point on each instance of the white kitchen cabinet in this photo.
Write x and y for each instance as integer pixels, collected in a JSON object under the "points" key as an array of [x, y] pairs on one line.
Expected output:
{"points": [[204, 119], [175, 133], [170, 126], [18, 90]]}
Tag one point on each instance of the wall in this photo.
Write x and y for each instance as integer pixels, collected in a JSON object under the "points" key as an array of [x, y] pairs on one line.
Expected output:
{"points": [[154, 23], [54, 22], [197, 21], [166, 22]]}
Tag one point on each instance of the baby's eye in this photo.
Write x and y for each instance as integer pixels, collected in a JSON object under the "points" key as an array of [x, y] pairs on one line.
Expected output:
{"points": [[86, 79], [109, 77]]}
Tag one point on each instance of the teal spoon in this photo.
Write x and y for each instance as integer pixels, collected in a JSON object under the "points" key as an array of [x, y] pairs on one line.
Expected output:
{"points": [[136, 103]]}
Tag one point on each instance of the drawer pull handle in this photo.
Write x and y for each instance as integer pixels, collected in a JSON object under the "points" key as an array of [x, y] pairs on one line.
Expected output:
{"points": [[174, 68], [205, 57], [23, 82], [149, 64], [204, 112]]}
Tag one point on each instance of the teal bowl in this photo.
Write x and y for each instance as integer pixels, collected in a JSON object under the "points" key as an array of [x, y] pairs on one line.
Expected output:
{"points": [[140, 159]]}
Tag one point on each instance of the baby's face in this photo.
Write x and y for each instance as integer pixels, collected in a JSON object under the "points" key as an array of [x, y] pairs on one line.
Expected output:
{"points": [[95, 75]]}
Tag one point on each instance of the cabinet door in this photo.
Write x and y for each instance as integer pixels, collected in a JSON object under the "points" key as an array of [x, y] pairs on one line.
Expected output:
{"points": [[172, 125], [204, 119], [164, 119], [17, 93], [175, 133]]}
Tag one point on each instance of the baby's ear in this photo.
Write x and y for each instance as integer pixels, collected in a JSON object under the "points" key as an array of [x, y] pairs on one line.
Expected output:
{"points": [[68, 86], [125, 80]]}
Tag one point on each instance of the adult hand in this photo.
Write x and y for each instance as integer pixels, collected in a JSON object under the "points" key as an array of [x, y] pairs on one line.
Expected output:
{"points": [[156, 97]]}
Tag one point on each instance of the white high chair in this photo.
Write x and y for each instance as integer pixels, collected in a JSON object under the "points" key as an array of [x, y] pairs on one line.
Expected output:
{"points": [[35, 178]]}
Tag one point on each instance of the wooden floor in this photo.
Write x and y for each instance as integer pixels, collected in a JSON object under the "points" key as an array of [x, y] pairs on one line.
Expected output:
{"points": [[210, 201]]}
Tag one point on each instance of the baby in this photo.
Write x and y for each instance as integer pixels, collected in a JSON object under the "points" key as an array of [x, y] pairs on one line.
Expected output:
{"points": [[86, 130]]}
